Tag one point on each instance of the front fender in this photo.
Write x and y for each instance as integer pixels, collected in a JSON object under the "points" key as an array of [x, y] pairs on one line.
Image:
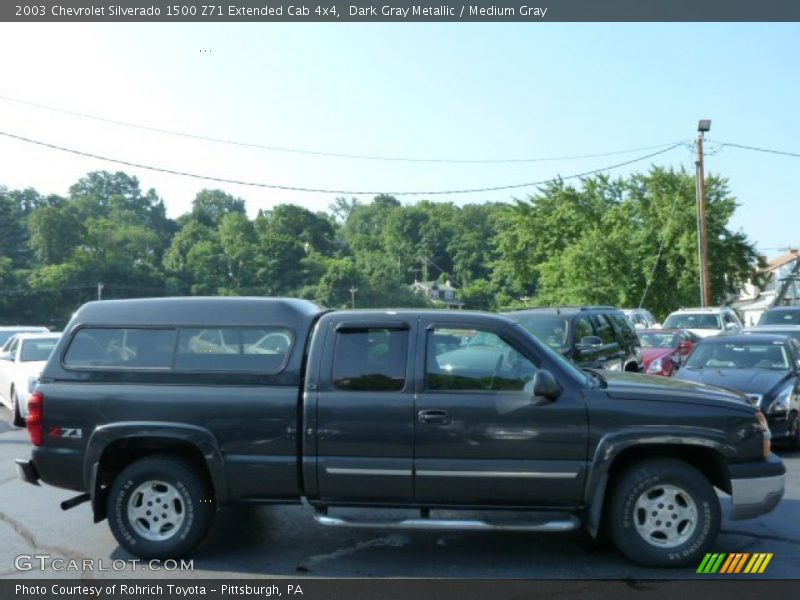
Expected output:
{"points": [[613, 444], [152, 431]]}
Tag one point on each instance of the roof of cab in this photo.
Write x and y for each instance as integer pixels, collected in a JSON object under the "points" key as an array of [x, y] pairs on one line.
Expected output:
{"points": [[197, 310]]}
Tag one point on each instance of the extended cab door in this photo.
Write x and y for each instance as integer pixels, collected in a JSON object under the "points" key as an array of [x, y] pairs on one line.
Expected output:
{"points": [[365, 411], [482, 438]]}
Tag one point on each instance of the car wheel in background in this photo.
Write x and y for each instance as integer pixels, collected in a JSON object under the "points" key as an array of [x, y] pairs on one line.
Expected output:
{"points": [[19, 421]]}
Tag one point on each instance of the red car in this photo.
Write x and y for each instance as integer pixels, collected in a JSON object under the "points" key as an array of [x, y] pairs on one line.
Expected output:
{"points": [[664, 350]]}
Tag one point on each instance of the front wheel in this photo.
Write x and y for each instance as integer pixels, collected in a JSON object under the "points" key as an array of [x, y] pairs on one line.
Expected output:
{"points": [[664, 513], [160, 507]]}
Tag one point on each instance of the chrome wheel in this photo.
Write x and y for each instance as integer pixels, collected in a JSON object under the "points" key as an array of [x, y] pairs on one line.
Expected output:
{"points": [[156, 510], [665, 516]]}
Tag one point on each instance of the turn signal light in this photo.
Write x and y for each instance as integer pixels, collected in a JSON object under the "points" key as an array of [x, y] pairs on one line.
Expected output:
{"points": [[767, 444], [34, 421]]}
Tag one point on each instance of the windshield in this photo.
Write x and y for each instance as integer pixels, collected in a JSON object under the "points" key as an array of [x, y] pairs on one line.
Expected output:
{"points": [[657, 340], [692, 321], [33, 350], [776, 316], [737, 355], [551, 329]]}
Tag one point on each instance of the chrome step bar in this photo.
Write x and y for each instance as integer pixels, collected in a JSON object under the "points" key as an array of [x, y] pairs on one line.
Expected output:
{"points": [[562, 523]]}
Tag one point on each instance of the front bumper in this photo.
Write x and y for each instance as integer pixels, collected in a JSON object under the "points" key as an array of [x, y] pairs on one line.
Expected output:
{"points": [[756, 487], [26, 471]]}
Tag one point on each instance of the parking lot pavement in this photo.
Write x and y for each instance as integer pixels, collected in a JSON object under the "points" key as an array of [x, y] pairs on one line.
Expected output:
{"points": [[286, 542]]}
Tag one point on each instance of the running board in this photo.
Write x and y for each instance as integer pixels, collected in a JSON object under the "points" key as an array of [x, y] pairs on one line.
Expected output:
{"points": [[563, 523]]}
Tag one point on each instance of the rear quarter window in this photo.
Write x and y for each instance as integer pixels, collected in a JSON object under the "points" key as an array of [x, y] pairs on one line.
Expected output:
{"points": [[120, 348]]}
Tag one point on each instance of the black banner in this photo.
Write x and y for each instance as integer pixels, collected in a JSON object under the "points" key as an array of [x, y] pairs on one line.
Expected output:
{"points": [[399, 10], [392, 589]]}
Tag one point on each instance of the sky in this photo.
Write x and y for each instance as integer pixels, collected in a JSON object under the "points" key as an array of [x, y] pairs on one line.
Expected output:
{"points": [[447, 92]]}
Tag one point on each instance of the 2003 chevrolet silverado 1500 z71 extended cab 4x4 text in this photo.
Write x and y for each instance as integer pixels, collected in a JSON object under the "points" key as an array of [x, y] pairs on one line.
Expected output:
{"points": [[160, 410]]}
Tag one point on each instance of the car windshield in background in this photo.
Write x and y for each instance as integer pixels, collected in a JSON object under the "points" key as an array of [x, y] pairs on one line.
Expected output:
{"points": [[657, 340], [35, 350], [552, 330], [777, 316], [692, 321], [771, 355]]}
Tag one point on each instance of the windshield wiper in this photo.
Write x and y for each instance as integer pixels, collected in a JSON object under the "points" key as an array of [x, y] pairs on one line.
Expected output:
{"points": [[601, 380]]}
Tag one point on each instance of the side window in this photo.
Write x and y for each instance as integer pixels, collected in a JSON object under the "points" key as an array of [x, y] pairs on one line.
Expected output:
{"points": [[483, 361], [254, 349], [121, 347], [373, 359], [623, 327], [583, 328], [604, 330]]}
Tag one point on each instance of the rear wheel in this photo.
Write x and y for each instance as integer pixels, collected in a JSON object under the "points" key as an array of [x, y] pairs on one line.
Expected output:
{"points": [[19, 420], [664, 513], [160, 507]]}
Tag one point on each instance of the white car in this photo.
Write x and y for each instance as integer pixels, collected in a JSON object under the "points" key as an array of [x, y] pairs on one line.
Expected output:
{"points": [[641, 318], [704, 322], [9, 331], [20, 367]]}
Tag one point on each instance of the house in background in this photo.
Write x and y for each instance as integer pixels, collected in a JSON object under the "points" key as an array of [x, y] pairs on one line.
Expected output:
{"points": [[443, 294], [782, 288]]}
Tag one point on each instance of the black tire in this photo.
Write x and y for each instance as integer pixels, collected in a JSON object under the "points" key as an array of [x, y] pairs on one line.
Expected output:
{"points": [[794, 432], [185, 491], [17, 416], [674, 488]]}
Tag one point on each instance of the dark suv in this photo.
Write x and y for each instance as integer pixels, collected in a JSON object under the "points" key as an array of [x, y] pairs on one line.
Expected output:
{"points": [[598, 337]]}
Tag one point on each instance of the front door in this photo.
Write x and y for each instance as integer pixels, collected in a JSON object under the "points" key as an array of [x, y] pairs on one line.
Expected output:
{"points": [[482, 438], [365, 414]]}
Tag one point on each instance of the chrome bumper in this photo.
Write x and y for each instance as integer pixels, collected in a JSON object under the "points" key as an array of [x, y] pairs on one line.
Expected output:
{"points": [[756, 496]]}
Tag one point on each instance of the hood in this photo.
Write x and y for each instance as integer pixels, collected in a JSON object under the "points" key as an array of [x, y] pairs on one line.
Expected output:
{"points": [[748, 381], [650, 354], [635, 386]]}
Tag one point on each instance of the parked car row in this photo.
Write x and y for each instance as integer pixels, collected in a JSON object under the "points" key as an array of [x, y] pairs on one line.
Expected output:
{"points": [[22, 358]]}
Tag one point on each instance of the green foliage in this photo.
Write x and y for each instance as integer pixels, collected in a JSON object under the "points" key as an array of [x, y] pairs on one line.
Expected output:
{"points": [[600, 241]]}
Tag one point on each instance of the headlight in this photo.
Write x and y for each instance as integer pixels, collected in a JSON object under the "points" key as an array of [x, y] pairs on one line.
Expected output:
{"points": [[32, 383], [782, 400], [656, 366]]}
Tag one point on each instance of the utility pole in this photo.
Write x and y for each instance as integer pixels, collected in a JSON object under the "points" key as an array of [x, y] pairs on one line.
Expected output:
{"points": [[100, 287], [702, 237], [353, 291]]}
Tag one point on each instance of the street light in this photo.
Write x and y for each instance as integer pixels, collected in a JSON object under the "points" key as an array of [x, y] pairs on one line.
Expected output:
{"points": [[703, 126]]}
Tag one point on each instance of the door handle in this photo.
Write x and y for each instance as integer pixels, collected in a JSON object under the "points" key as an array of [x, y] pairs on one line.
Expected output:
{"points": [[434, 416]]}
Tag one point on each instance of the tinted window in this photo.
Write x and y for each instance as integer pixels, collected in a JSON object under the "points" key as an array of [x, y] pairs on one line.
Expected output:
{"points": [[117, 347], [739, 356], [692, 321], [483, 361], [622, 325], [551, 329], [35, 350], [255, 349], [583, 328], [604, 330], [777, 316], [370, 359]]}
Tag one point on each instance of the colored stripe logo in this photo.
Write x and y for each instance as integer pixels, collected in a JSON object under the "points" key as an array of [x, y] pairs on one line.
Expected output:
{"points": [[733, 563]]}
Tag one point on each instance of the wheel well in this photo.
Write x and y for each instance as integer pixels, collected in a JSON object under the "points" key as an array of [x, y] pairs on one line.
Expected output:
{"points": [[632, 367], [121, 453], [706, 460]]}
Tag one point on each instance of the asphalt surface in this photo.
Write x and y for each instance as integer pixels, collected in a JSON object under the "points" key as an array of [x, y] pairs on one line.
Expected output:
{"points": [[278, 542]]}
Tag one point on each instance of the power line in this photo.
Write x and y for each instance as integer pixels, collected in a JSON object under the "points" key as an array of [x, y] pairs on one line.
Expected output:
{"points": [[340, 192], [320, 152], [756, 149]]}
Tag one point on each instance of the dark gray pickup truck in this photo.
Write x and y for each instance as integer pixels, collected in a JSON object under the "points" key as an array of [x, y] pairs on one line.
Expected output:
{"points": [[160, 410]]}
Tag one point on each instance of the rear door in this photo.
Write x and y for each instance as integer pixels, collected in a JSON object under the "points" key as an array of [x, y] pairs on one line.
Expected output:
{"points": [[365, 412]]}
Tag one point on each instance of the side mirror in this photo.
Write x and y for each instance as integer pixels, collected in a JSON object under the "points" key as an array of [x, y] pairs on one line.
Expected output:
{"points": [[591, 341], [545, 385], [730, 326]]}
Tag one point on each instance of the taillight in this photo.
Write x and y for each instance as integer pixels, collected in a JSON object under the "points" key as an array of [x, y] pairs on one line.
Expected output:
{"points": [[34, 421]]}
